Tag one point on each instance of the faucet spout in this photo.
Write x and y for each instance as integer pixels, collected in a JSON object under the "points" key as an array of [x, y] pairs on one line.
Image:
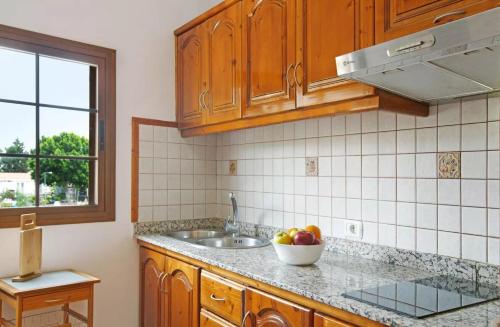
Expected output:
{"points": [[235, 206], [231, 224]]}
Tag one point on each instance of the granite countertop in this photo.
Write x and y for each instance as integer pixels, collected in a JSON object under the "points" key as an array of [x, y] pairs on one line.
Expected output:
{"points": [[326, 280]]}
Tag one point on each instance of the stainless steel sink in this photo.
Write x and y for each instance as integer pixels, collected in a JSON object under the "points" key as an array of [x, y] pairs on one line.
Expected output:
{"points": [[242, 242], [218, 239], [193, 235]]}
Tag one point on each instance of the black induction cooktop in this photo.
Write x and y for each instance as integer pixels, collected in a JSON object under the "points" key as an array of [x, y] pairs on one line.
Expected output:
{"points": [[424, 297]]}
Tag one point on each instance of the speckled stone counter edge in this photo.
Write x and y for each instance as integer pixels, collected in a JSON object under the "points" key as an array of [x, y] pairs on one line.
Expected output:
{"points": [[482, 272]]}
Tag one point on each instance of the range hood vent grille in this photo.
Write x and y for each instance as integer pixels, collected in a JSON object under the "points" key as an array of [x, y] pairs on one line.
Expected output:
{"points": [[457, 59]]}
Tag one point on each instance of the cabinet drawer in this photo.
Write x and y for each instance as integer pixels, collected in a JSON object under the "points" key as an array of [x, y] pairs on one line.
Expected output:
{"points": [[222, 297], [56, 298], [208, 319], [325, 321]]}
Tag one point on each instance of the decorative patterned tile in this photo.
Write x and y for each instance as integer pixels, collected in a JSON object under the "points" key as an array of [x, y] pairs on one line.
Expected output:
{"points": [[449, 165], [312, 166], [233, 167]]}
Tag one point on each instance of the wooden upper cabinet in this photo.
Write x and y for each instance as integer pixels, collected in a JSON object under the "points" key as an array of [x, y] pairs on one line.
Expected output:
{"points": [[191, 76], [183, 290], [395, 18], [223, 99], [325, 30], [152, 278], [264, 310], [268, 56]]}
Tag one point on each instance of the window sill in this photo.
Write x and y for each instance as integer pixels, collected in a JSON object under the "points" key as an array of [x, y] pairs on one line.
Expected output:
{"points": [[10, 218]]}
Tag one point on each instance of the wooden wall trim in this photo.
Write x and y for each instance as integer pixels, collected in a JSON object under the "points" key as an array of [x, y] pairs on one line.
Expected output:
{"points": [[273, 290], [136, 121]]}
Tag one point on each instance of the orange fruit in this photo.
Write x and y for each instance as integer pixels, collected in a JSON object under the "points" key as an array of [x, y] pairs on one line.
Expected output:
{"points": [[315, 230]]}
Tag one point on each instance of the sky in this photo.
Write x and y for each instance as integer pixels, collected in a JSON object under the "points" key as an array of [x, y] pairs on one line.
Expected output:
{"points": [[63, 83]]}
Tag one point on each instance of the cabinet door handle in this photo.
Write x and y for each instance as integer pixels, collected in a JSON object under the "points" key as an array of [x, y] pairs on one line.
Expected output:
{"points": [[215, 298], [451, 13], [248, 314], [295, 73], [162, 283], [203, 99], [199, 100], [287, 76]]}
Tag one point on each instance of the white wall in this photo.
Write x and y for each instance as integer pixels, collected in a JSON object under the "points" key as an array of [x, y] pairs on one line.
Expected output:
{"points": [[141, 32]]}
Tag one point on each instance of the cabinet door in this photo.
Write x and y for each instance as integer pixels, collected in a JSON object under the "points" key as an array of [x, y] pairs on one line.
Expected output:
{"points": [[325, 30], [264, 310], [183, 290], [152, 264], [223, 98], [324, 321], [268, 56], [396, 18], [191, 76]]}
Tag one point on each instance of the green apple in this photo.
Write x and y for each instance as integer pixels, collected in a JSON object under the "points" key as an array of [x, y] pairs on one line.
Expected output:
{"points": [[282, 238], [293, 231]]}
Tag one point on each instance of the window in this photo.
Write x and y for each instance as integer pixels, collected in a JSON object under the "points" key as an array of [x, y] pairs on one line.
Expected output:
{"points": [[57, 129]]}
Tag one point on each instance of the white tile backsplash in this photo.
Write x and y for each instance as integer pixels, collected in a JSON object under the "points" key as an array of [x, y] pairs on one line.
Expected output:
{"points": [[449, 138], [177, 179], [474, 164], [381, 168], [387, 142], [449, 114], [405, 238], [474, 111], [449, 244], [474, 137], [427, 240], [474, 220], [376, 167], [427, 139], [474, 247]]}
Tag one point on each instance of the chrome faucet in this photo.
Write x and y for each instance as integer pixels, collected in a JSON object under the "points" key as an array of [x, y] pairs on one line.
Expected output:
{"points": [[231, 224]]}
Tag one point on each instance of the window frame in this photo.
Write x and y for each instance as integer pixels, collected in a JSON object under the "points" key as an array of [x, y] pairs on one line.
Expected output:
{"points": [[105, 61]]}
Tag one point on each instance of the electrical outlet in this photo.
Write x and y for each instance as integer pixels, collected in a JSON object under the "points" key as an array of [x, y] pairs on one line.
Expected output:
{"points": [[354, 230]]}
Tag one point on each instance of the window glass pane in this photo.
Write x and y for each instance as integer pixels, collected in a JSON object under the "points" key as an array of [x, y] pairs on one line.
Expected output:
{"points": [[17, 128], [64, 132], [17, 75], [17, 185], [64, 83], [64, 182]]}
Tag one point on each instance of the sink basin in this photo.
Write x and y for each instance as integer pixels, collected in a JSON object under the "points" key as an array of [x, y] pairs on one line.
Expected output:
{"points": [[242, 242], [218, 239], [189, 235]]}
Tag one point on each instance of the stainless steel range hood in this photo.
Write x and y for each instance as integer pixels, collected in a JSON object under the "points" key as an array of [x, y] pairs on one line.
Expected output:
{"points": [[453, 60]]}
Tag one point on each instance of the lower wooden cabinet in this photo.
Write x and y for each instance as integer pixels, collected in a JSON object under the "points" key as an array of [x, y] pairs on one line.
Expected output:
{"points": [[264, 310], [169, 291], [183, 294], [152, 276], [177, 293]]}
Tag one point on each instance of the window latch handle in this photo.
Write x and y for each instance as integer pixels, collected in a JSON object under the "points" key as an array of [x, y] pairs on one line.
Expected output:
{"points": [[102, 134]]}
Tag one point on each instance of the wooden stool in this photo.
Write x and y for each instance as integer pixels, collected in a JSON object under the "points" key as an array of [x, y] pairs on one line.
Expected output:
{"points": [[58, 288]]}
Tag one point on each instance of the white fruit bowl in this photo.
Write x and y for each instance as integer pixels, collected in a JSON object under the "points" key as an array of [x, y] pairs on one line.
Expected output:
{"points": [[299, 255]]}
